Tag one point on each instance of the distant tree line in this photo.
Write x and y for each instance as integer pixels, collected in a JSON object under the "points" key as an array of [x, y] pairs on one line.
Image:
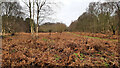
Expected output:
{"points": [[53, 27], [99, 18], [11, 24]]}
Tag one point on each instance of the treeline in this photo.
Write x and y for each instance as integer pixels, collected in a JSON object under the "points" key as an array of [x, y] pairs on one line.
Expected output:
{"points": [[89, 23], [53, 27], [11, 24], [99, 18]]}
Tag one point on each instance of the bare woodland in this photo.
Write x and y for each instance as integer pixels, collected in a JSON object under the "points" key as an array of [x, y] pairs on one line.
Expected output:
{"points": [[92, 40]]}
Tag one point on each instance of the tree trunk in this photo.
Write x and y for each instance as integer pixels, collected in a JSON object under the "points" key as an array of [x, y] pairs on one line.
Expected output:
{"points": [[118, 13], [31, 18], [118, 24], [31, 27], [3, 31], [37, 22], [37, 30], [113, 32], [37, 19], [37, 25]]}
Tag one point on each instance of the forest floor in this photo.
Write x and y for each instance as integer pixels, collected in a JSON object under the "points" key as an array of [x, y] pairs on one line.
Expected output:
{"points": [[68, 49]]}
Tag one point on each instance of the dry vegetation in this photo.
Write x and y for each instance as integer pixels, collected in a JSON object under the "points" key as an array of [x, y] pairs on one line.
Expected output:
{"points": [[57, 49]]}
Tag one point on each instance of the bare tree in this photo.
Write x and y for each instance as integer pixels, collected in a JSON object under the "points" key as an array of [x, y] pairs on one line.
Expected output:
{"points": [[107, 9], [33, 10], [29, 6], [39, 4], [41, 8], [10, 9], [44, 9], [117, 7]]}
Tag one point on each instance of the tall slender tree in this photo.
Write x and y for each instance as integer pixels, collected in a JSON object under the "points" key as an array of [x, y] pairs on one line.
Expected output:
{"points": [[29, 6], [44, 9], [33, 11]]}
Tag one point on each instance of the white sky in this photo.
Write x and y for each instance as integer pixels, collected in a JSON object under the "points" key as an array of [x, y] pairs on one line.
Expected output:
{"points": [[70, 10]]}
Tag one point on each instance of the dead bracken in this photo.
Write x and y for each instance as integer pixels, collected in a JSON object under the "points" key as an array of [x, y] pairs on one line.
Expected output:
{"points": [[22, 50]]}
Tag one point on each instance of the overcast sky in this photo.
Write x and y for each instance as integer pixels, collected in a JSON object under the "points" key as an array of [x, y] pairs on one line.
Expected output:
{"points": [[70, 10]]}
